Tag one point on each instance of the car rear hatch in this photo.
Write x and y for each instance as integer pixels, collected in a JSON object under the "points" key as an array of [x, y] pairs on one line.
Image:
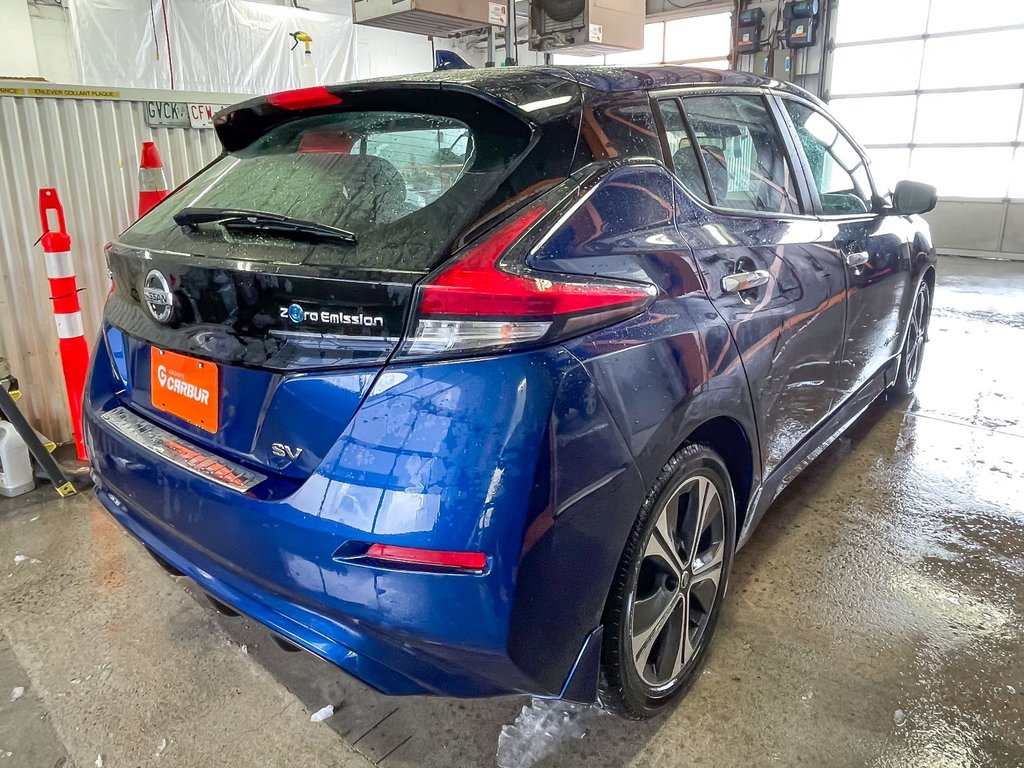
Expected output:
{"points": [[253, 309]]}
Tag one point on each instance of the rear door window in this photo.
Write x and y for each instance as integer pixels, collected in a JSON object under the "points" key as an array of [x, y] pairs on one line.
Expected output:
{"points": [[618, 127], [742, 153], [685, 163]]}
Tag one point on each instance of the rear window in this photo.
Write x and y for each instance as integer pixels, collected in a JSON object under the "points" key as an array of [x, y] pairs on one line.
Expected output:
{"points": [[404, 183], [429, 161]]}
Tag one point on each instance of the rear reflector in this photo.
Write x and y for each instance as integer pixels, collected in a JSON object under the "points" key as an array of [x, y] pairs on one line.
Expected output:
{"points": [[304, 98], [466, 561]]}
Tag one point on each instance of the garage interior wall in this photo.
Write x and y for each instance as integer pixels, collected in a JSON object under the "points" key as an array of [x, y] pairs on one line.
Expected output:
{"points": [[52, 41], [89, 150], [208, 45], [17, 47], [36, 41]]}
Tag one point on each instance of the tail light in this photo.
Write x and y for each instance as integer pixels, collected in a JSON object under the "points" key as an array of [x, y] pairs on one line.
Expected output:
{"points": [[487, 300]]}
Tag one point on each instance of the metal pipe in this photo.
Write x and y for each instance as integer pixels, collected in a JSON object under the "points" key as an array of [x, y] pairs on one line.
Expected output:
{"points": [[489, 61], [510, 34]]}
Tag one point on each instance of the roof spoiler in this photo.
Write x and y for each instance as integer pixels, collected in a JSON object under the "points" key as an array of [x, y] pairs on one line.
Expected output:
{"points": [[240, 125]]}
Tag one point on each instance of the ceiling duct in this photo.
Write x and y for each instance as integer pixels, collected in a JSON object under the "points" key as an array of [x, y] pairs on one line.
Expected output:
{"points": [[440, 18], [587, 27]]}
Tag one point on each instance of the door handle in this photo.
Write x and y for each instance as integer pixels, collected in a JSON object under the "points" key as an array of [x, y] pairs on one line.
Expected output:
{"points": [[744, 281], [858, 258]]}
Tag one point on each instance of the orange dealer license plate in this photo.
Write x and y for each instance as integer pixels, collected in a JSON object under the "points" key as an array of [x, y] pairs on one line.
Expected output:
{"points": [[186, 387]]}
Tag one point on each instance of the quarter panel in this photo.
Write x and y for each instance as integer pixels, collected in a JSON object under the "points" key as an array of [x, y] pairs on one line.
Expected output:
{"points": [[668, 371], [586, 484], [650, 369]]}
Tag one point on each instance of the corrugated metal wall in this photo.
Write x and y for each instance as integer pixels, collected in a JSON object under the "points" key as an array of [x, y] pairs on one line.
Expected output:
{"points": [[89, 150]]}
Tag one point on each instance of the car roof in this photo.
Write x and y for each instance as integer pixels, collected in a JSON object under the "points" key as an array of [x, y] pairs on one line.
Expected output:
{"points": [[541, 93], [519, 84], [609, 79], [646, 78]]}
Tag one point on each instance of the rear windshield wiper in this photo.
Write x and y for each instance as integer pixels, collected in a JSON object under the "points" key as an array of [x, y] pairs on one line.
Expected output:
{"points": [[259, 221]]}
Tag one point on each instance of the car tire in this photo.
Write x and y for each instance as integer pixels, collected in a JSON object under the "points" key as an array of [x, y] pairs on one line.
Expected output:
{"points": [[913, 346], [647, 661]]}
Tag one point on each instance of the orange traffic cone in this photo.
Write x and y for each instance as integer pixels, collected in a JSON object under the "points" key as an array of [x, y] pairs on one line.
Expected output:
{"points": [[152, 182]]}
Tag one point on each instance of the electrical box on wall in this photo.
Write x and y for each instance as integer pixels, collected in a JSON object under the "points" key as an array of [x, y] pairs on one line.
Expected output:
{"points": [[587, 27], [749, 28], [800, 23], [785, 40], [781, 66], [762, 64], [430, 17]]}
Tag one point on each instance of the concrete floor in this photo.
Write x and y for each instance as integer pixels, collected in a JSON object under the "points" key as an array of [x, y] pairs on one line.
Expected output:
{"points": [[876, 617]]}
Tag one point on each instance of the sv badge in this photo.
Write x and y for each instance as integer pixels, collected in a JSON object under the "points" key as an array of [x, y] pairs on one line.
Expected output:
{"points": [[282, 451]]}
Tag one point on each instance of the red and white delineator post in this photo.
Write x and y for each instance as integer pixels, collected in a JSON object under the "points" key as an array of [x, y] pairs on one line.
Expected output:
{"points": [[152, 181], [74, 351]]}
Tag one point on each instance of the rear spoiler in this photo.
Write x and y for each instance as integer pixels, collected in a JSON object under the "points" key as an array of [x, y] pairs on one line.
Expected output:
{"points": [[240, 125]]}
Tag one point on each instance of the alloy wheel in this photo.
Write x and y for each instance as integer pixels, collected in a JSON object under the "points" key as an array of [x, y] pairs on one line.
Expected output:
{"points": [[679, 582], [916, 335]]}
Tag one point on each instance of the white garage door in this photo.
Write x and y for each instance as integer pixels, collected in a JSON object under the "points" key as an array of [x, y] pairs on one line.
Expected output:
{"points": [[933, 89]]}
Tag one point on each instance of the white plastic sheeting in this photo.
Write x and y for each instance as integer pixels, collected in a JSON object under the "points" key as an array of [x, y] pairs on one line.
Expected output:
{"points": [[89, 150], [205, 45]]}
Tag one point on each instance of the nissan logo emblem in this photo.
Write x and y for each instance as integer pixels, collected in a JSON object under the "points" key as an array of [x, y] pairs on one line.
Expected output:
{"points": [[159, 298]]}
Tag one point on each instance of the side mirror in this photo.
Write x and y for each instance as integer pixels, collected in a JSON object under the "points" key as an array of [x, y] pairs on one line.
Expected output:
{"points": [[913, 197]]}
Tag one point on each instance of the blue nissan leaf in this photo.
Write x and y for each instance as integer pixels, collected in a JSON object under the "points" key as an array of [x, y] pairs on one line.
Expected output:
{"points": [[472, 383]]}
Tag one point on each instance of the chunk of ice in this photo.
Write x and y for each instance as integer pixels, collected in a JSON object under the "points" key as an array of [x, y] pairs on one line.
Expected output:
{"points": [[899, 717], [17, 693], [540, 730], [322, 714]]}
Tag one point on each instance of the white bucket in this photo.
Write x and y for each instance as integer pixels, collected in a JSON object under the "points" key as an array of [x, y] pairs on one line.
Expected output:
{"points": [[15, 468]]}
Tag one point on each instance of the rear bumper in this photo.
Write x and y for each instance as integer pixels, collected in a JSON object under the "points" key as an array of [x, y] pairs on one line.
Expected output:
{"points": [[330, 640], [415, 467]]}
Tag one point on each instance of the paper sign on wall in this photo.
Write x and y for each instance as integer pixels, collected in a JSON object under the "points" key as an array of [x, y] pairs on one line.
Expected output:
{"points": [[596, 33], [497, 14]]}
